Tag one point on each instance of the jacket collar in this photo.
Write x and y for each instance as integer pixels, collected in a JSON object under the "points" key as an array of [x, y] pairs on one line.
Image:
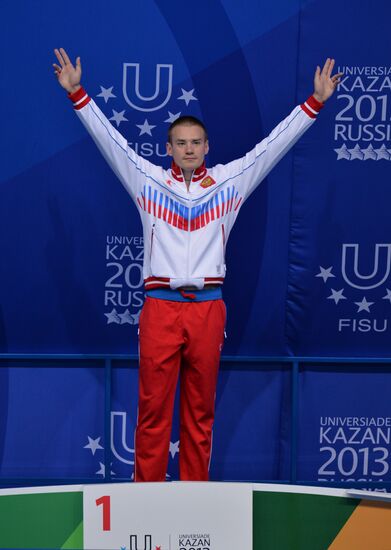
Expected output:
{"points": [[198, 173]]}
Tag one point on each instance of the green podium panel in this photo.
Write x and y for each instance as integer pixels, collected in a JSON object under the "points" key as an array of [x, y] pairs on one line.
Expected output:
{"points": [[43, 519], [304, 518]]}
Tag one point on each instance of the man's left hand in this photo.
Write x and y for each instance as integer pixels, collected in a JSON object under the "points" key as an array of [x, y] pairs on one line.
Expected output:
{"points": [[324, 83]]}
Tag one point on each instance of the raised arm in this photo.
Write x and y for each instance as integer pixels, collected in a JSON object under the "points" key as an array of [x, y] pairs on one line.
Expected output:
{"points": [[257, 163], [131, 169]]}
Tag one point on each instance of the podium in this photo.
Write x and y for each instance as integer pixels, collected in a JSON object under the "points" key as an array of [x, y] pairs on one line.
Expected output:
{"points": [[193, 516]]}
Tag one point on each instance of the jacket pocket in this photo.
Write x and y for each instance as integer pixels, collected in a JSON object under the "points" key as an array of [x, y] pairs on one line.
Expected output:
{"points": [[152, 239], [223, 242]]}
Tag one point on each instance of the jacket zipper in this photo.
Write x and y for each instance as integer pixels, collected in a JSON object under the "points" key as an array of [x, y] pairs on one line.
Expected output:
{"points": [[188, 228]]}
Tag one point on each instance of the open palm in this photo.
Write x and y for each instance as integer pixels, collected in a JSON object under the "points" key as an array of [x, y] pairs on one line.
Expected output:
{"points": [[68, 76], [324, 82]]}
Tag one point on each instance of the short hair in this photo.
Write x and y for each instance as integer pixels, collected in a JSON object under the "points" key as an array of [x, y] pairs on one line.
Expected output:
{"points": [[186, 120]]}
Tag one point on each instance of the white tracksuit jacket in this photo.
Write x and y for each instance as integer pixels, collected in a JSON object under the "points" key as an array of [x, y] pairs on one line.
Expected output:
{"points": [[186, 232]]}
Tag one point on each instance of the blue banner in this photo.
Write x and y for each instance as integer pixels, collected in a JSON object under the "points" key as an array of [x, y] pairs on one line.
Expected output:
{"points": [[308, 262]]}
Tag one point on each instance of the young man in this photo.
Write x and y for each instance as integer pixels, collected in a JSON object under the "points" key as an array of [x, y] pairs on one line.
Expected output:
{"points": [[187, 213]]}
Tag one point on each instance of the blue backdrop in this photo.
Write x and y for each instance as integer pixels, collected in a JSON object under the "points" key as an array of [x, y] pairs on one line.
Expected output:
{"points": [[312, 243]]}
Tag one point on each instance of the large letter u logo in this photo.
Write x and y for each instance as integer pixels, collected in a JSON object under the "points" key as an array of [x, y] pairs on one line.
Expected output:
{"points": [[131, 87], [381, 266]]}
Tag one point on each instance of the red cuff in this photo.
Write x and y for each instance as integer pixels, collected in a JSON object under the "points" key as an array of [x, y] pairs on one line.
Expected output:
{"points": [[312, 107], [79, 99]]}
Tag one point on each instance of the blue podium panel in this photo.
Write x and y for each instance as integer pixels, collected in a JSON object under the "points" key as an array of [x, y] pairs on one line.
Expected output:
{"points": [[252, 426], [52, 420], [344, 423], [123, 418]]}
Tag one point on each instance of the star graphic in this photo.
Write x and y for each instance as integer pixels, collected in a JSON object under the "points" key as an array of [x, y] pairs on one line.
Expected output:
{"points": [[388, 295], [172, 117], [369, 153], [325, 273], [113, 317], [356, 153], [136, 317], [158, 548], [343, 152], [145, 128], [187, 96], [174, 448], [102, 470], [118, 117], [106, 93], [93, 444], [383, 153], [336, 295], [123, 547], [364, 305], [126, 317]]}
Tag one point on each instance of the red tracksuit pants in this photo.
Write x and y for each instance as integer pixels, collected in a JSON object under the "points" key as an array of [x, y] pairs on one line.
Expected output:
{"points": [[177, 340]]}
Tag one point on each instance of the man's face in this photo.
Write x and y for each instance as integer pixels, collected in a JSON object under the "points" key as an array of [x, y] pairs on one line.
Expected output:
{"points": [[188, 146]]}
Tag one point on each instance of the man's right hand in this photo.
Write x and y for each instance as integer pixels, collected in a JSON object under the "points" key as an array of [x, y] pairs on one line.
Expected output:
{"points": [[67, 75]]}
